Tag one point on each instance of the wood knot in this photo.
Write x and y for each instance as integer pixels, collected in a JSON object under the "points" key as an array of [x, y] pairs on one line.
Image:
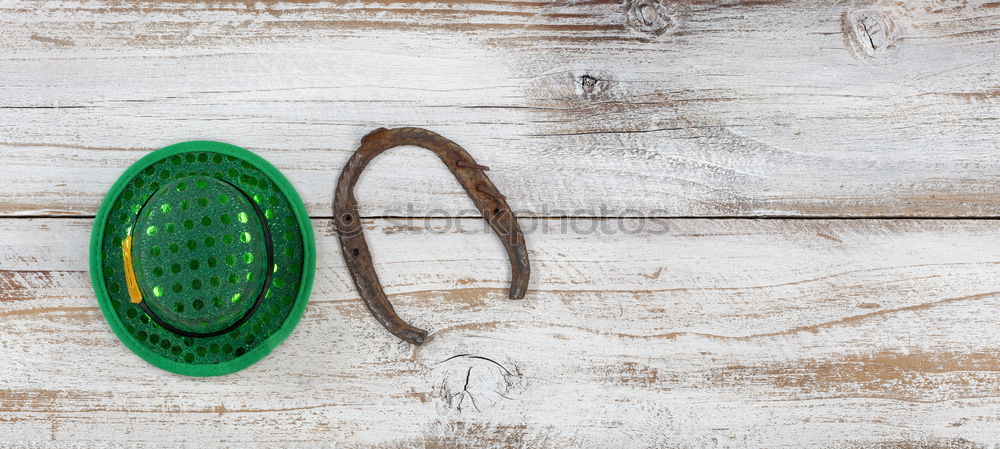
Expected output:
{"points": [[868, 32], [474, 383], [654, 17], [591, 87]]}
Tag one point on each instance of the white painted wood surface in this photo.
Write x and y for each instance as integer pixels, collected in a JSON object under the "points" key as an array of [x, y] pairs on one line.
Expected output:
{"points": [[741, 108], [717, 333], [692, 333]]}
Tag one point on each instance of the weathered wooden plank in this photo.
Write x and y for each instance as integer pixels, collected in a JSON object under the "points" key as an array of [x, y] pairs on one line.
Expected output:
{"points": [[686, 333], [847, 108]]}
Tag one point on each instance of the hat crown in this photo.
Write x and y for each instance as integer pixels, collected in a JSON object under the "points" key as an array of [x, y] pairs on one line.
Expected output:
{"points": [[199, 253]]}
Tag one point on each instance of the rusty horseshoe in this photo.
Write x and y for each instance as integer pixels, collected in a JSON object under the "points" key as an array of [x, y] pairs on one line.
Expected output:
{"points": [[484, 194]]}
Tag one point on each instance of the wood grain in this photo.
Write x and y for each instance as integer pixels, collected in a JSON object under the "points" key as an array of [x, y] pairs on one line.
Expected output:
{"points": [[679, 333], [685, 333], [590, 108]]}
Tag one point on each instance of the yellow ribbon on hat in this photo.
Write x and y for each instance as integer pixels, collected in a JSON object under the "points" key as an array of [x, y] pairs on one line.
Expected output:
{"points": [[133, 285]]}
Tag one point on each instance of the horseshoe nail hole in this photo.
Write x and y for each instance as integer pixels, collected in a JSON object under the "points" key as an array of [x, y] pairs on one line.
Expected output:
{"points": [[347, 218], [355, 252]]}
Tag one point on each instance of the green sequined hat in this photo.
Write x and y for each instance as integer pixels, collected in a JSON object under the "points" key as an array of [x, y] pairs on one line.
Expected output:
{"points": [[202, 258]]}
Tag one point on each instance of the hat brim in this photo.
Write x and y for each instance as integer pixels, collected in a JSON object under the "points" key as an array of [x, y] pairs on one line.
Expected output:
{"points": [[252, 340]]}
